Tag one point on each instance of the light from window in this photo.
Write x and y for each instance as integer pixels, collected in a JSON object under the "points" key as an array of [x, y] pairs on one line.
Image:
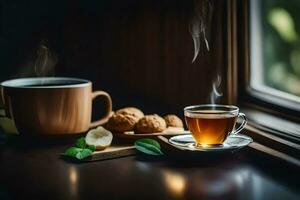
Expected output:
{"points": [[275, 47]]}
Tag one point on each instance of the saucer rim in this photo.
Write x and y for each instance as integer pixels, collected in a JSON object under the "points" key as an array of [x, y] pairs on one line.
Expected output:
{"points": [[212, 149]]}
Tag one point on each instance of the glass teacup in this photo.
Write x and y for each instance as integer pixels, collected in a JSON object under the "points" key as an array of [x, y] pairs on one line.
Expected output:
{"points": [[211, 124]]}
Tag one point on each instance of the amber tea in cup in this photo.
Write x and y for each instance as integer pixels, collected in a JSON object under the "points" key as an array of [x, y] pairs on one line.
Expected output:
{"points": [[211, 124]]}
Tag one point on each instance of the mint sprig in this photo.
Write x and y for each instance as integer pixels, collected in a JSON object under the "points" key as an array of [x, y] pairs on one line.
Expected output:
{"points": [[81, 150], [78, 153], [148, 146], [80, 143]]}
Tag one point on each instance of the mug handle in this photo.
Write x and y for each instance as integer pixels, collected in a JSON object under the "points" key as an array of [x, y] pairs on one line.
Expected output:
{"points": [[243, 116], [108, 108]]}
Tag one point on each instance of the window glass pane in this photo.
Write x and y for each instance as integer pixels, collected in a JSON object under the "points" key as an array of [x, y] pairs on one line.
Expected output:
{"points": [[275, 46]]}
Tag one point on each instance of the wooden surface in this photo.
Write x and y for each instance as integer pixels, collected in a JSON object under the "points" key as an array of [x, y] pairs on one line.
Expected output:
{"points": [[118, 149], [131, 136], [114, 151], [36, 171]]}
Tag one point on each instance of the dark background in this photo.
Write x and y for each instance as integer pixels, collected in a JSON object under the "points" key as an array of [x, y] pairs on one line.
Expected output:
{"points": [[139, 51]]}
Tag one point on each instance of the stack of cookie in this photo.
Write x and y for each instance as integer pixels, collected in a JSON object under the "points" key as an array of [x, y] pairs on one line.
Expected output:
{"points": [[133, 119]]}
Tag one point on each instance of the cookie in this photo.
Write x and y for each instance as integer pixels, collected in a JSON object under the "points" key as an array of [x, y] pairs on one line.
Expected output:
{"points": [[119, 123], [173, 121], [131, 111], [150, 124]]}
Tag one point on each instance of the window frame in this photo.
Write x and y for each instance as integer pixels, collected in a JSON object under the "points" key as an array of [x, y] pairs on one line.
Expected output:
{"points": [[265, 101], [239, 89]]}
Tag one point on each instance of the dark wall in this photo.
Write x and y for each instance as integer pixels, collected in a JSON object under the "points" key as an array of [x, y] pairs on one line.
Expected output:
{"points": [[138, 51]]}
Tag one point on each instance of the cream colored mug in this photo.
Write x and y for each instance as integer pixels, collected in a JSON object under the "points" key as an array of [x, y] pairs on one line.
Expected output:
{"points": [[52, 105]]}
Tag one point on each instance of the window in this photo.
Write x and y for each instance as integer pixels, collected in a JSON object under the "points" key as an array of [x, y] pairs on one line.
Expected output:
{"points": [[275, 50], [268, 65]]}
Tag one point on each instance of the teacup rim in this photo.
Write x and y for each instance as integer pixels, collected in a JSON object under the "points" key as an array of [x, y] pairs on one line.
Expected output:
{"points": [[234, 108], [15, 83]]}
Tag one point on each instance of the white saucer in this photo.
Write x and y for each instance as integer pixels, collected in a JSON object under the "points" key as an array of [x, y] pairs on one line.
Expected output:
{"points": [[233, 142]]}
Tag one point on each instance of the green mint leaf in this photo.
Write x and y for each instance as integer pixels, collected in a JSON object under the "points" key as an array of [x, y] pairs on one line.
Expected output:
{"points": [[80, 143], [81, 149], [148, 146], [83, 153], [72, 151], [78, 153], [91, 147], [148, 141]]}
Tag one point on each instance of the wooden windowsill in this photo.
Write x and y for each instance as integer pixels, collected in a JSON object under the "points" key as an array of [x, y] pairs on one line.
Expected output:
{"points": [[268, 133], [273, 146], [273, 124]]}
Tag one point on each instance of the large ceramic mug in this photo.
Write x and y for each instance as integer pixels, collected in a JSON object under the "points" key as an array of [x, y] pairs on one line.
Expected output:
{"points": [[52, 105]]}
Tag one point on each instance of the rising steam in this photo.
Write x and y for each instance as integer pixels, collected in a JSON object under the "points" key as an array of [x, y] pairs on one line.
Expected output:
{"points": [[215, 93], [45, 61], [200, 25], [40, 62]]}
